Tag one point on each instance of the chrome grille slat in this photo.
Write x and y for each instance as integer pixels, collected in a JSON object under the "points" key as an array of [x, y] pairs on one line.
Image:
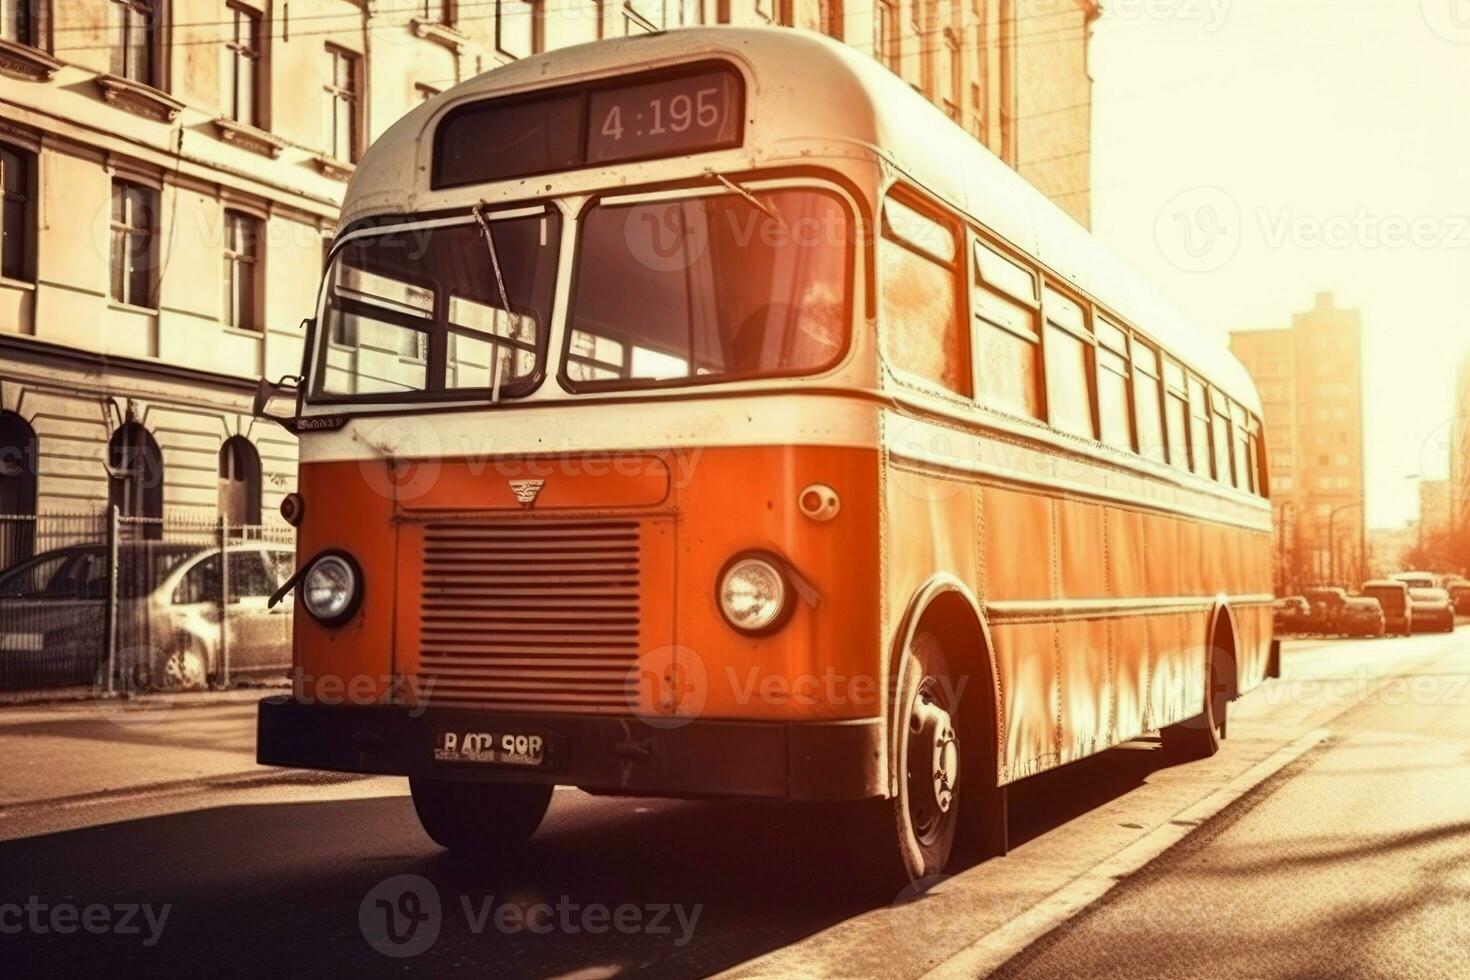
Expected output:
{"points": [[530, 614]]}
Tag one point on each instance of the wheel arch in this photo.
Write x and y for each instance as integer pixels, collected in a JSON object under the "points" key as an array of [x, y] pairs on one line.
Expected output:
{"points": [[947, 607], [1223, 633]]}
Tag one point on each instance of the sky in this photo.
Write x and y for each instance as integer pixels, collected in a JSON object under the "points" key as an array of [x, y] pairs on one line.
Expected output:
{"points": [[1251, 153]]}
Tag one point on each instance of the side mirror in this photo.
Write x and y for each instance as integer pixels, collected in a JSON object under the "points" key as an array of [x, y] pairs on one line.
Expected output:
{"points": [[268, 390]]}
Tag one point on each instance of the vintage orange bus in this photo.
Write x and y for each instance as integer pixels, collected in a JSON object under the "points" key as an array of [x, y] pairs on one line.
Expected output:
{"points": [[668, 428]]}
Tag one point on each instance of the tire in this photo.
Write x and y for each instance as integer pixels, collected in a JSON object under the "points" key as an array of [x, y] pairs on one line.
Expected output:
{"points": [[185, 668], [914, 833], [1199, 737], [479, 818]]}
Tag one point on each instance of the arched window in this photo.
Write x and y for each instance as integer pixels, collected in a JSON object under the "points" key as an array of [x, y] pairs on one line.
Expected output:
{"points": [[135, 475], [18, 454], [239, 481]]}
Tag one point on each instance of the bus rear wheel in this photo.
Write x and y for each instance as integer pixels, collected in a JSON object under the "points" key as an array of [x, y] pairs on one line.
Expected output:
{"points": [[1199, 737], [479, 818]]}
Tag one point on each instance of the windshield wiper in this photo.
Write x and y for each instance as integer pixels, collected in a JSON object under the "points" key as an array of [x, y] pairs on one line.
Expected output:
{"points": [[770, 210], [479, 212]]}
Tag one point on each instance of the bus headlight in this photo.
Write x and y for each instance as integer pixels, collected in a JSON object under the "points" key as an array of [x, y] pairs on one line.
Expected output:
{"points": [[332, 588], [754, 594]]}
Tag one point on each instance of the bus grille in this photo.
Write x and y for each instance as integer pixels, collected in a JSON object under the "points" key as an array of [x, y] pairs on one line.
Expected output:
{"points": [[538, 615]]}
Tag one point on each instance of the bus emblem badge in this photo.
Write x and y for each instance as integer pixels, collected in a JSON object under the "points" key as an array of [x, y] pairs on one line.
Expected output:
{"points": [[527, 491]]}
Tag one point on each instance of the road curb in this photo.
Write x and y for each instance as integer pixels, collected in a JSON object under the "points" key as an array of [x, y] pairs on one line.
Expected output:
{"points": [[991, 951]]}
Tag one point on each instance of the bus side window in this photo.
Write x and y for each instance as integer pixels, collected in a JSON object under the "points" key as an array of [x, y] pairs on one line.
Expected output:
{"points": [[1199, 427], [923, 331], [1240, 435], [1258, 459], [1147, 403], [1220, 436], [1112, 384], [1067, 351], [1006, 334], [1176, 414]]}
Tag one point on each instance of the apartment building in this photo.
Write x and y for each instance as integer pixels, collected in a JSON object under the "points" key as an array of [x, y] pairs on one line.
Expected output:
{"points": [[172, 172], [1310, 378]]}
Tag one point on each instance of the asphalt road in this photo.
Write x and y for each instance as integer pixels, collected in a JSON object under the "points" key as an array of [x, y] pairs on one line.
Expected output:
{"points": [[1350, 862]]}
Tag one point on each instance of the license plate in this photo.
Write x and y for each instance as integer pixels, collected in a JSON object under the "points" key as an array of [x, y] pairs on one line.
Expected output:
{"points": [[525, 750]]}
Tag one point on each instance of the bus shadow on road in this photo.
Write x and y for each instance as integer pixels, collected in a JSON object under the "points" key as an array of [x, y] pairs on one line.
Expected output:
{"points": [[606, 884]]}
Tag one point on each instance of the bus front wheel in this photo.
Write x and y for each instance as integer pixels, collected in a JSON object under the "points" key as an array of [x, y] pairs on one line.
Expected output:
{"points": [[483, 818], [923, 818]]}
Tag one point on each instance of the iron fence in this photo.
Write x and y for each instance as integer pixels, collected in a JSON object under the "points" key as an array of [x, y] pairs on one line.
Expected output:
{"points": [[119, 603]]}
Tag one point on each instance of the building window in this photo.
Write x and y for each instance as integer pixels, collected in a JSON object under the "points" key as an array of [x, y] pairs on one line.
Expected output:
{"points": [[518, 27], [135, 476], [242, 271], [926, 21], [954, 75], [1007, 81], [239, 481], [20, 21], [132, 25], [134, 225], [438, 11], [18, 454], [886, 44], [17, 212], [242, 67], [981, 85], [830, 18], [341, 107]]}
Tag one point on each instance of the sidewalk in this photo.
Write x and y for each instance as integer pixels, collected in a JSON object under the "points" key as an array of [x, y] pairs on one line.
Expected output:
{"points": [[61, 752]]}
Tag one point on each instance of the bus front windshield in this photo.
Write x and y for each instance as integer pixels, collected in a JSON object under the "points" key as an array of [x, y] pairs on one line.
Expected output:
{"points": [[708, 288], [422, 311]]}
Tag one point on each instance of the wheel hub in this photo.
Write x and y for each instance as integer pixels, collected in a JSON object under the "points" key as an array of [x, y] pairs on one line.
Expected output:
{"points": [[937, 745]]}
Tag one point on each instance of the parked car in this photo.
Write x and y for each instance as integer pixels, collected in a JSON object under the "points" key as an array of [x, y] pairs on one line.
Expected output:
{"points": [[1460, 597], [53, 614], [1432, 610], [1417, 580], [1326, 603], [1361, 616], [1393, 597], [1291, 614]]}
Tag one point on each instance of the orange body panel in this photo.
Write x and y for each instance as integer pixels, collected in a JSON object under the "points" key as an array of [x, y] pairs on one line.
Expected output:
{"points": [[692, 512]]}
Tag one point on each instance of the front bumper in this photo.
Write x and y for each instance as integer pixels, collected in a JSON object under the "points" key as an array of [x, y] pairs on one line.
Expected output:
{"points": [[770, 760]]}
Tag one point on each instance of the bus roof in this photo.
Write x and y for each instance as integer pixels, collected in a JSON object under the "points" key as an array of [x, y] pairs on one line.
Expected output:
{"points": [[863, 109]]}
